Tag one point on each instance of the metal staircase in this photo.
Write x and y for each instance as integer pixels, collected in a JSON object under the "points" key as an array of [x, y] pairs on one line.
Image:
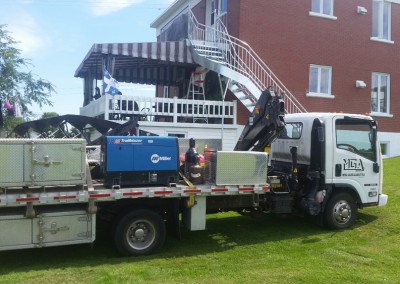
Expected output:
{"points": [[246, 75]]}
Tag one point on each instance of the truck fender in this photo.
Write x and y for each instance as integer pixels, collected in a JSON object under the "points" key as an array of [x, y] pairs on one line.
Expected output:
{"points": [[337, 188]]}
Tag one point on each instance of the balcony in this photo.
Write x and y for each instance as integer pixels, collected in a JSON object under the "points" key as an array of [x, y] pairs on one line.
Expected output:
{"points": [[159, 110]]}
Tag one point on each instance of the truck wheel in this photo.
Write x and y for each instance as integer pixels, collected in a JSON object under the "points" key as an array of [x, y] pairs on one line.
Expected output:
{"points": [[340, 212], [140, 232]]}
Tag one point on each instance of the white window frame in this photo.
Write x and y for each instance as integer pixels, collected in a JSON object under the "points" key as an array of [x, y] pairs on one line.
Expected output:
{"points": [[380, 21], [177, 134], [321, 13], [379, 112], [386, 153], [166, 92], [319, 93]]}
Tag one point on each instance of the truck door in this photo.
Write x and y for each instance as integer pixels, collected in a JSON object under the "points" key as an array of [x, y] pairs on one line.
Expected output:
{"points": [[356, 156]]}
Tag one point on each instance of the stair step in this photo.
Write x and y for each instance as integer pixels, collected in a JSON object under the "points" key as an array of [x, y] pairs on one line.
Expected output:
{"points": [[251, 104], [210, 53], [213, 50], [239, 90], [201, 46], [211, 57], [247, 97]]}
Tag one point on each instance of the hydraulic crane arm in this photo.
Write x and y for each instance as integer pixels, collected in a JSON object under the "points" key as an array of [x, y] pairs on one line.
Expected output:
{"points": [[265, 123]]}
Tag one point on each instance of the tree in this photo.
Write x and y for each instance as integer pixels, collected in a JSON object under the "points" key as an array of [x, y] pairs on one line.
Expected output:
{"points": [[17, 86]]}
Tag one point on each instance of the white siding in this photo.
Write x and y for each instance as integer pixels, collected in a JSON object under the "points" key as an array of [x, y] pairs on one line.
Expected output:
{"points": [[229, 136], [391, 139]]}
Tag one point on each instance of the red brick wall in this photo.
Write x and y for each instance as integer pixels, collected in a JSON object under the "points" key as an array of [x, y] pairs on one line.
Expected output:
{"points": [[199, 12], [288, 39], [233, 16]]}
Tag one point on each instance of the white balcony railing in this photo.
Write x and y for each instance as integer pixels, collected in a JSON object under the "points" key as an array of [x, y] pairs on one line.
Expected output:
{"points": [[161, 109]]}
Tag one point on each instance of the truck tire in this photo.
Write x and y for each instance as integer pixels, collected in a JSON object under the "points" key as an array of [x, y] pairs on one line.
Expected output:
{"points": [[139, 232], [340, 211]]}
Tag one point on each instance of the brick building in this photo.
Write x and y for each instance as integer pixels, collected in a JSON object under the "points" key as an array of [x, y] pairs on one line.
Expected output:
{"points": [[333, 55]]}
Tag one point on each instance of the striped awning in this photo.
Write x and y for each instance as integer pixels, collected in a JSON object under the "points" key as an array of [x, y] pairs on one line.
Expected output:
{"points": [[135, 62]]}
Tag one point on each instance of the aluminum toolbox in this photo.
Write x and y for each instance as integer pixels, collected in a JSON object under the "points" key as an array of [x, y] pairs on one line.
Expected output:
{"points": [[41, 162], [241, 168]]}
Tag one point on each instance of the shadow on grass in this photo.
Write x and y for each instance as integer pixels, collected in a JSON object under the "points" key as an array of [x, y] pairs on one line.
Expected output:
{"points": [[224, 232]]}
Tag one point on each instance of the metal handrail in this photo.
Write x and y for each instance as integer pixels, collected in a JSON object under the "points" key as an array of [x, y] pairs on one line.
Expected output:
{"points": [[240, 57]]}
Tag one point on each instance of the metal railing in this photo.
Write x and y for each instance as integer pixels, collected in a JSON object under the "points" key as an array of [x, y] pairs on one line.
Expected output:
{"points": [[156, 109], [217, 45]]}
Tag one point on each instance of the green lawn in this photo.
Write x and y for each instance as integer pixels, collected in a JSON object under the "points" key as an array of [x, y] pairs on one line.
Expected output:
{"points": [[236, 249]]}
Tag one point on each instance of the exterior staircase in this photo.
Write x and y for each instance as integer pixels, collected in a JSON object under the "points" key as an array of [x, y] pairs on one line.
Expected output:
{"points": [[245, 74]]}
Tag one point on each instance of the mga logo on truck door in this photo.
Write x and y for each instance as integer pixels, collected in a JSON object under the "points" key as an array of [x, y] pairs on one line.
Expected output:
{"points": [[355, 166]]}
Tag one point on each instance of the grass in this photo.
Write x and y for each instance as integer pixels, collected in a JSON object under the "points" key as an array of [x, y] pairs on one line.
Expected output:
{"points": [[236, 249]]}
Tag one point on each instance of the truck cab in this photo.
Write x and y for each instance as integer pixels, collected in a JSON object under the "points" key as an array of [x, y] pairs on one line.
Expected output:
{"points": [[338, 164]]}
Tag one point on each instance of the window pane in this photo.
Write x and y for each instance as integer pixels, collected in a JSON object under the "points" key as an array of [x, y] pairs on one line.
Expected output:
{"points": [[313, 88], [315, 6], [374, 93], [325, 81], [327, 8], [384, 149], [383, 94], [381, 19], [375, 19], [385, 18], [224, 5], [380, 92], [213, 7]]}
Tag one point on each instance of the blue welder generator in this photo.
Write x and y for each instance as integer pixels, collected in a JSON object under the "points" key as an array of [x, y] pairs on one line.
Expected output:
{"points": [[140, 160]]}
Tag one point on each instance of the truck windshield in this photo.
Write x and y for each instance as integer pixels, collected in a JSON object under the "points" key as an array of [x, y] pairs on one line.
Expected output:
{"points": [[356, 136]]}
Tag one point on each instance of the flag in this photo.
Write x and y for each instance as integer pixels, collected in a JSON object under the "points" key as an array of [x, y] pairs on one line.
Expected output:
{"points": [[17, 110], [110, 85]]}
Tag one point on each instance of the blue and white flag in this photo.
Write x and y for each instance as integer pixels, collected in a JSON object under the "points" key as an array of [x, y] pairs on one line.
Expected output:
{"points": [[110, 85]]}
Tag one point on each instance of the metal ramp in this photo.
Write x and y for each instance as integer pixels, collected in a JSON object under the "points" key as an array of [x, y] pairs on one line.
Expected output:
{"points": [[245, 74]]}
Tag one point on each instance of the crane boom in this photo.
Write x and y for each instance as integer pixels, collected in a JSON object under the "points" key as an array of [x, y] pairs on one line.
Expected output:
{"points": [[265, 123]]}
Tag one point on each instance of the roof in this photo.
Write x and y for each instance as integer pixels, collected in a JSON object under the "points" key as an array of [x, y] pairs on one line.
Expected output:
{"points": [[129, 57], [168, 13]]}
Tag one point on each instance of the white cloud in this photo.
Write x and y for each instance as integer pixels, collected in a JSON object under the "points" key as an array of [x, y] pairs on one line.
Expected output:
{"points": [[28, 34], [101, 8]]}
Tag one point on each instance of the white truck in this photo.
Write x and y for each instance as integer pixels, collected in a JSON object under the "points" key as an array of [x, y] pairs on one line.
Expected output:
{"points": [[323, 165]]}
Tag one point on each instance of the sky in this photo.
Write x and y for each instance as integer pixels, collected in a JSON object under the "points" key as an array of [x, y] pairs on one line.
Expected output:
{"points": [[56, 35]]}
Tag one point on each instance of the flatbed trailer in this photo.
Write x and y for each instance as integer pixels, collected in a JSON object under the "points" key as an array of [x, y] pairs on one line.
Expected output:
{"points": [[48, 198], [53, 216]]}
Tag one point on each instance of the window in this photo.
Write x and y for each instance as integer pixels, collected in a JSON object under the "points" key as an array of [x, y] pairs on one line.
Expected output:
{"points": [[213, 11], [322, 8], [179, 135], [292, 130], [166, 92], [355, 136], [224, 6], [385, 149], [381, 20], [320, 81], [380, 93]]}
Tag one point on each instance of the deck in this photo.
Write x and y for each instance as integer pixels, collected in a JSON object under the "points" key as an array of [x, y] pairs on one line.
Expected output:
{"points": [[153, 109]]}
